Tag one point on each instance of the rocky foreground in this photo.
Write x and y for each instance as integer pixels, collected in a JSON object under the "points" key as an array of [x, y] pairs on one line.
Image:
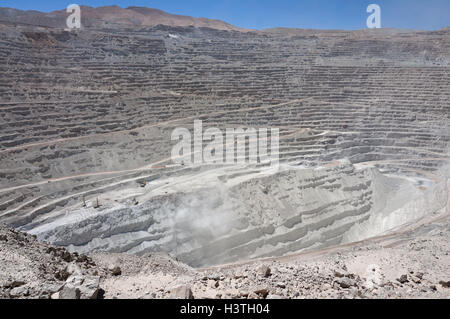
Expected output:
{"points": [[412, 265]]}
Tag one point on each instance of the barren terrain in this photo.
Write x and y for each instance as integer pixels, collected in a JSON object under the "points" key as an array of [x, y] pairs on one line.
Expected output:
{"points": [[357, 208]]}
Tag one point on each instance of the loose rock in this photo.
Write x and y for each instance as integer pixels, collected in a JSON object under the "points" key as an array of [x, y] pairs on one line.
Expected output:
{"points": [[264, 271], [182, 292], [403, 279]]}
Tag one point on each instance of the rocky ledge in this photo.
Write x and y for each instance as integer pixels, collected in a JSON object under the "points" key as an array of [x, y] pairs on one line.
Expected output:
{"points": [[412, 265]]}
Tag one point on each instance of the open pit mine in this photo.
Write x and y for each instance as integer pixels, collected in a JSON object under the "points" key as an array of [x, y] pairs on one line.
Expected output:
{"points": [[86, 118]]}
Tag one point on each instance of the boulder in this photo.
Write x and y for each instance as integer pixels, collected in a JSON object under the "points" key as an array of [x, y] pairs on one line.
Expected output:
{"points": [[262, 292], [116, 271], [50, 288], [19, 292], [181, 292], [69, 292], [345, 282], [88, 286], [14, 284], [264, 271], [340, 273], [55, 296], [403, 279]]}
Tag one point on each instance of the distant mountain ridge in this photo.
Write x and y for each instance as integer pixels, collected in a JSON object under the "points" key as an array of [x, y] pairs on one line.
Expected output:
{"points": [[117, 17], [112, 16]]}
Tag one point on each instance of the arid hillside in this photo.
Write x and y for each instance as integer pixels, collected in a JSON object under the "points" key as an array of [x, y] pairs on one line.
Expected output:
{"points": [[109, 16]]}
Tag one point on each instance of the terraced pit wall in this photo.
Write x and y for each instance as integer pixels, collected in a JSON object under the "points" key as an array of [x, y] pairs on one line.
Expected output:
{"points": [[88, 114]]}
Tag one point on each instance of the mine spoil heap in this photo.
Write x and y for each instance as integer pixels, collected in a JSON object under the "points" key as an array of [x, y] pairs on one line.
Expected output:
{"points": [[86, 118]]}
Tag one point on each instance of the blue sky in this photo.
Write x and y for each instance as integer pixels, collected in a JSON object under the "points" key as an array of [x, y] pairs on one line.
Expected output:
{"points": [[259, 14]]}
